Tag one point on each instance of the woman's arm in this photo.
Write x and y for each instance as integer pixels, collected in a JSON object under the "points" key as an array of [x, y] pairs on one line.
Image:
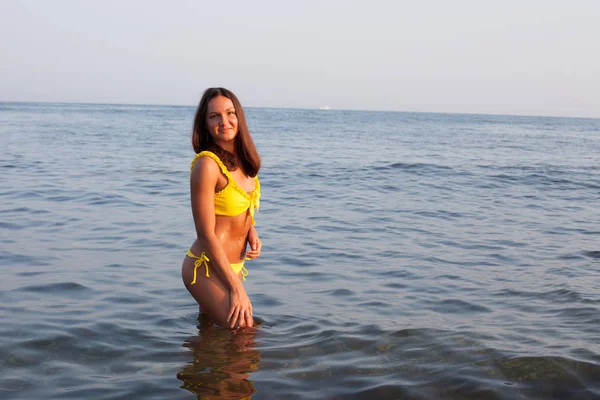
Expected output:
{"points": [[254, 242], [204, 178]]}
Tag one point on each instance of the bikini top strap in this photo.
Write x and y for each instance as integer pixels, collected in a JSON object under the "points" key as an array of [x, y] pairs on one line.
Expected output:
{"points": [[212, 155]]}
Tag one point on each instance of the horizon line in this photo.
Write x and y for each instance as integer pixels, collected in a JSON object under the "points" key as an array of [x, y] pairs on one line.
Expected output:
{"points": [[317, 108]]}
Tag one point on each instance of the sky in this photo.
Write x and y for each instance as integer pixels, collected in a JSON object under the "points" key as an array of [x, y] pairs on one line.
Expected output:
{"points": [[525, 57]]}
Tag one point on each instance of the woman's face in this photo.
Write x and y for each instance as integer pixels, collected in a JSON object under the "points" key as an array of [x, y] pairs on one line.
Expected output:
{"points": [[221, 120]]}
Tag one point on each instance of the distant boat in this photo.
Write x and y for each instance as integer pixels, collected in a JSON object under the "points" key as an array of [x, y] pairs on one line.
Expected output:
{"points": [[324, 108]]}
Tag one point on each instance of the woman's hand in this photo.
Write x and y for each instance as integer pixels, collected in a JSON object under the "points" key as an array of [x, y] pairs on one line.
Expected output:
{"points": [[255, 244], [240, 314]]}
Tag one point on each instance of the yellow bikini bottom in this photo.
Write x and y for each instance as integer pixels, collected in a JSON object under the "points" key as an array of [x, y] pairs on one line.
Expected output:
{"points": [[203, 259]]}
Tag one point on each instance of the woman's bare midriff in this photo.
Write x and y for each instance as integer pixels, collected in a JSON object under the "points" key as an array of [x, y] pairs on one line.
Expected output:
{"points": [[232, 233]]}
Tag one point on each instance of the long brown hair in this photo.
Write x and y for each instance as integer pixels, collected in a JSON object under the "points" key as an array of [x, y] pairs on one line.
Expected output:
{"points": [[245, 151]]}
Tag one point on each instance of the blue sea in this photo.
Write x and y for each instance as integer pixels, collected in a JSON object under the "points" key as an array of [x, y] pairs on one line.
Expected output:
{"points": [[406, 256]]}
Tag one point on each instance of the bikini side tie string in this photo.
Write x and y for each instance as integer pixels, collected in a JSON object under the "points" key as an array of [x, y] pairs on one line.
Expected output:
{"points": [[203, 259]]}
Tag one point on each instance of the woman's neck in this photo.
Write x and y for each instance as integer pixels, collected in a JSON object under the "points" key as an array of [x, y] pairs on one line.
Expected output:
{"points": [[227, 157], [228, 146]]}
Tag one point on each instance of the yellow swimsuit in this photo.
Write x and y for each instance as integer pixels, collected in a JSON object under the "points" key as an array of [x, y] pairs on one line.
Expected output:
{"points": [[231, 201]]}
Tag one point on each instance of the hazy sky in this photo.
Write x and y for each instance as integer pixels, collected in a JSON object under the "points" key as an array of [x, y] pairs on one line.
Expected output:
{"points": [[533, 57]]}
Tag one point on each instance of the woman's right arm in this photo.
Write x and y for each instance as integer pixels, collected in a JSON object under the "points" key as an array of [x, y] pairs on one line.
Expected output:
{"points": [[204, 178]]}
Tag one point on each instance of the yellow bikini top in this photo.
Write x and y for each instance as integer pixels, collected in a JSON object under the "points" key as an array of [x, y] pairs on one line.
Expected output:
{"points": [[232, 200]]}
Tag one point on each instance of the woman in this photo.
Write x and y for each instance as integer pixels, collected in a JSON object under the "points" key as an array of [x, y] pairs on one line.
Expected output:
{"points": [[225, 192]]}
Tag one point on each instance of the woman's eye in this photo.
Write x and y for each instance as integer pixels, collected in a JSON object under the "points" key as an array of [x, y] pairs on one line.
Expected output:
{"points": [[231, 113]]}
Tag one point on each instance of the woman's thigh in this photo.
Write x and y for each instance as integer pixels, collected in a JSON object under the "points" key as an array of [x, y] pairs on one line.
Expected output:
{"points": [[210, 293]]}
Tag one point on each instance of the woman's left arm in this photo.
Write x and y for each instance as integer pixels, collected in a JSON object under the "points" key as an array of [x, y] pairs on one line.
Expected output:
{"points": [[254, 242]]}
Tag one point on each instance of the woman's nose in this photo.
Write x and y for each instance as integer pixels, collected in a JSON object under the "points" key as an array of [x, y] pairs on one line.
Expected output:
{"points": [[224, 121]]}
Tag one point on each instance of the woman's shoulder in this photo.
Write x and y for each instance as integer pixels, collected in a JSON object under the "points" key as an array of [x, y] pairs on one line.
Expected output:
{"points": [[208, 161]]}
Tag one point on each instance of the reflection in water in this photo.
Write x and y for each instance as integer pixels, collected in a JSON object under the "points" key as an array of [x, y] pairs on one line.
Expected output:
{"points": [[223, 361]]}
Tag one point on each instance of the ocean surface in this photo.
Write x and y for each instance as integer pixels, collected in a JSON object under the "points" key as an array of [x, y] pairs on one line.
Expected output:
{"points": [[406, 256]]}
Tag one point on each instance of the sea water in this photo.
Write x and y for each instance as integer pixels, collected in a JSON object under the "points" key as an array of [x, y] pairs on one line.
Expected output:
{"points": [[406, 255]]}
